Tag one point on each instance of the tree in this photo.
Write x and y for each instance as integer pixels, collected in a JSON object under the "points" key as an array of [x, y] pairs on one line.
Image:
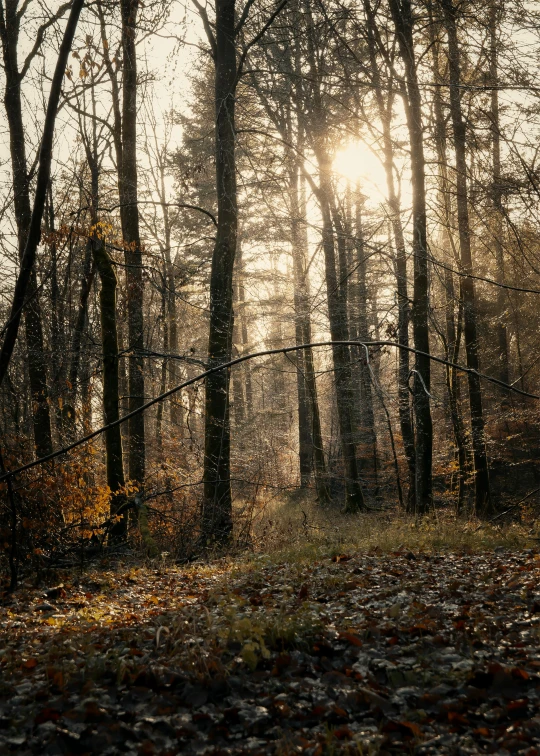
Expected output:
{"points": [[217, 505], [11, 18], [404, 21], [30, 228], [481, 470]]}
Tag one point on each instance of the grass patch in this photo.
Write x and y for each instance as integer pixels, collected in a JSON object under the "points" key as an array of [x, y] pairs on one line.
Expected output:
{"points": [[298, 530]]}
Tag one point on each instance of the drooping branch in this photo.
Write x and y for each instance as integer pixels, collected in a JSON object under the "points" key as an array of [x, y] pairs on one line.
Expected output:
{"points": [[244, 358]]}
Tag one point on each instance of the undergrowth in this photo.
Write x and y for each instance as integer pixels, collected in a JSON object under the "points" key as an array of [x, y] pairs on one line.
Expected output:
{"points": [[298, 529]]}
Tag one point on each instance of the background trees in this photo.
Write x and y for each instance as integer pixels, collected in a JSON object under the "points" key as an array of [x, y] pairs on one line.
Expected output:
{"points": [[245, 177]]}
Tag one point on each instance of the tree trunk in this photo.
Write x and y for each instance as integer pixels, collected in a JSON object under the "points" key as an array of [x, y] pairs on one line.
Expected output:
{"points": [[217, 504], [502, 337], [37, 365], [109, 341], [309, 421], [404, 406], [335, 288], [453, 333], [129, 213], [481, 470], [367, 416], [164, 364], [403, 20], [345, 395], [69, 411]]}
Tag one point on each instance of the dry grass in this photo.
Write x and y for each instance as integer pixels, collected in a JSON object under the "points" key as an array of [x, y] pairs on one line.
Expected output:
{"points": [[297, 529]]}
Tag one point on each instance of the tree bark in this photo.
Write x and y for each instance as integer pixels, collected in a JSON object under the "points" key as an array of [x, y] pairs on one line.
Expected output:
{"points": [[453, 330], [367, 415], [309, 421], [31, 233], [335, 287], [497, 196], [129, 213], [404, 23], [69, 411], [481, 469], [404, 313], [217, 505], [114, 457], [37, 366]]}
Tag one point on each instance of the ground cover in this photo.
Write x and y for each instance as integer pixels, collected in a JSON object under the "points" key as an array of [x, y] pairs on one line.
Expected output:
{"points": [[366, 651]]}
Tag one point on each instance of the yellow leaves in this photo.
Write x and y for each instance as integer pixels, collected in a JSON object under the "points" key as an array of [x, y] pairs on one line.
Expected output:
{"points": [[100, 230]]}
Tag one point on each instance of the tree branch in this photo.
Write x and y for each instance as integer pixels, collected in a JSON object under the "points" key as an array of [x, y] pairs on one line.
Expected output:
{"points": [[244, 358], [40, 34], [44, 171], [207, 27], [258, 36]]}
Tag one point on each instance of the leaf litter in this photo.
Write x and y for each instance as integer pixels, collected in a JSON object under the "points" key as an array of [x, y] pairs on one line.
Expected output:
{"points": [[364, 653]]}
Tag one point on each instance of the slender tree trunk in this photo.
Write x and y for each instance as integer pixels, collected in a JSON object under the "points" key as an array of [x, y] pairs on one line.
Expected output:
{"points": [[109, 341], [481, 469], [453, 334], [305, 441], [367, 415], [69, 410], [37, 365], [335, 289], [502, 337], [57, 326], [246, 368], [217, 504], [385, 114], [164, 365], [403, 20], [337, 314], [129, 213], [310, 434], [238, 404]]}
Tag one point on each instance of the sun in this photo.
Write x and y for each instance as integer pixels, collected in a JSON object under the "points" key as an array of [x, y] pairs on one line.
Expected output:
{"points": [[357, 163]]}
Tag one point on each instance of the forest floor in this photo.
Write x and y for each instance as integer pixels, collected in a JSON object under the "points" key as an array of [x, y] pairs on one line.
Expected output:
{"points": [[410, 650]]}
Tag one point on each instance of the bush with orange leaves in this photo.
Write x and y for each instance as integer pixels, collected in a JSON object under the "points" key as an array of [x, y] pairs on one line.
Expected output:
{"points": [[53, 512]]}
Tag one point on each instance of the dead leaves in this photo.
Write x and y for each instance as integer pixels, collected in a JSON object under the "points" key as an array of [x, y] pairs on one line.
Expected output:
{"points": [[373, 653]]}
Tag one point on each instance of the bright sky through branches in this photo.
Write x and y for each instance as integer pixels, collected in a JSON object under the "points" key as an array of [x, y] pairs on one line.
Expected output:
{"points": [[357, 163]]}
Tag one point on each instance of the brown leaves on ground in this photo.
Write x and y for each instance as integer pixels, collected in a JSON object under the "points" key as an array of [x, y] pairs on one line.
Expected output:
{"points": [[362, 654]]}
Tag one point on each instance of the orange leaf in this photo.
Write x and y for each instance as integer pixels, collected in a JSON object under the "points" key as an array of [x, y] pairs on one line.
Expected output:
{"points": [[413, 727], [455, 716], [517, 672], [351, 638], [30, 663], [482, 731]]}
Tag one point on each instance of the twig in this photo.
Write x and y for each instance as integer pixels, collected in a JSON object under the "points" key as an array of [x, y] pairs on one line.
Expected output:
{"points": [[501, 514]]}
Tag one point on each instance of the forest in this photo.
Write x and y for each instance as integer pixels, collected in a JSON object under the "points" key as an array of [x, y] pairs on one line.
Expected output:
{"points": [[269, 367]]}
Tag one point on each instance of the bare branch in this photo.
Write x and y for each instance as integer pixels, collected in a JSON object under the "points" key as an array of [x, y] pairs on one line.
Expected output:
{"points": [[207, 26], [258, 36], [40, 34], [244, 358]]}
